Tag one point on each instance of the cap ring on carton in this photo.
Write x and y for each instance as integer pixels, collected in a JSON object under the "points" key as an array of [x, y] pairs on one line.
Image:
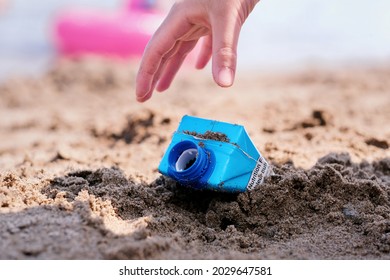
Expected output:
{"points": [[188, 161]]}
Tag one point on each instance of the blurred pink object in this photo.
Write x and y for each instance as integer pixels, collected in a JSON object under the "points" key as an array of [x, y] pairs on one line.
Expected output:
{"points": [[3, 5], [123, 33]]}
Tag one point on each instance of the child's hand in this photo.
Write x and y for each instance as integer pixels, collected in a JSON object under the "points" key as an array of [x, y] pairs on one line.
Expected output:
{"points": [[220, 21]]}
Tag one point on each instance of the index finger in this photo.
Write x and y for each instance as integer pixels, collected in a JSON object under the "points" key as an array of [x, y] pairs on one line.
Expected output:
{"points": [[171, 30]]}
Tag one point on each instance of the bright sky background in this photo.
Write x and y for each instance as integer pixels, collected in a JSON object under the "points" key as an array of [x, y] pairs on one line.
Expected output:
{"points": [[278, 34]]}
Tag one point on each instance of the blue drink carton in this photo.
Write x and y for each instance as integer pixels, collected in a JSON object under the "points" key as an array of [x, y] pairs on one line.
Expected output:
{"points": [[208, 154]]}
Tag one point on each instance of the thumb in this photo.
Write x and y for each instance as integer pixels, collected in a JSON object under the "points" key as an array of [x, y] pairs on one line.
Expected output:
{"points": [[225, 32]]}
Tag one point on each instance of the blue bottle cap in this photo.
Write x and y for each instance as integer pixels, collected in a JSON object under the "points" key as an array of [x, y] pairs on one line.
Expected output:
{"points": [[188, 162]]}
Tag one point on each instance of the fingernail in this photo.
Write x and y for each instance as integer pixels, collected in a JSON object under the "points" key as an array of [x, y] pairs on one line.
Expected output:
{"points": [[142, 95], [225, 77], [142, 87], [143, 98]]}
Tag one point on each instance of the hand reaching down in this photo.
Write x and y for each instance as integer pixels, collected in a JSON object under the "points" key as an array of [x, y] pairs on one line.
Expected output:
{"points": [[218, 21]]}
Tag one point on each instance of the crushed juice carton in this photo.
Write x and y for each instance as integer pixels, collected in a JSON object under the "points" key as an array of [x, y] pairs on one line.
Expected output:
{"points": [[208, 154]]}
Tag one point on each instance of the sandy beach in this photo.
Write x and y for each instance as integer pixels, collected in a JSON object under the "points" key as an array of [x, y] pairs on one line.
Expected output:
{"points": [[79, 158]]}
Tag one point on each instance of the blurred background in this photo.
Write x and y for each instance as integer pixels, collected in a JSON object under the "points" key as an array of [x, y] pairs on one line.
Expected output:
{"points": [[278, 35]]}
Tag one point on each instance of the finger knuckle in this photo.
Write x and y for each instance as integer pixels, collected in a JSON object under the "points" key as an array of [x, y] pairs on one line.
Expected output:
{"points": [[226, 53]]}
